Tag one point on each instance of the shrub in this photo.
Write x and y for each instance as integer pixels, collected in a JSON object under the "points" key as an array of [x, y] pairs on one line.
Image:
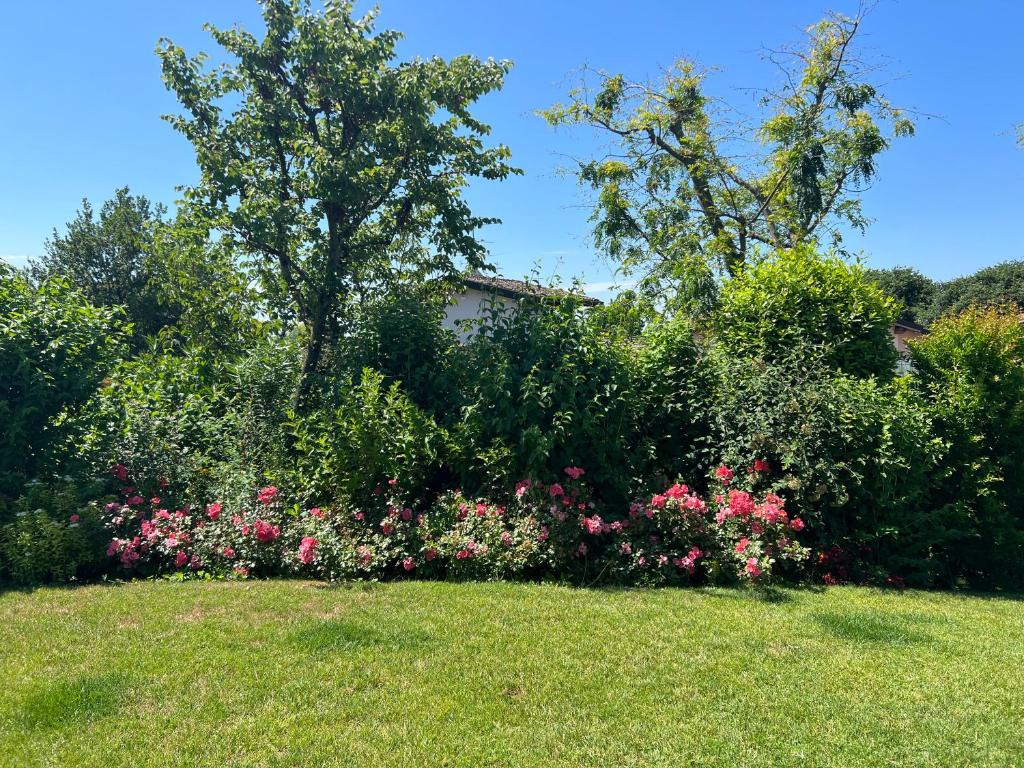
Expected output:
{"points": [[971, 369], [374, 434], [50, 535], [545, 389], [798, 297], [854, 457], [55, 349]]}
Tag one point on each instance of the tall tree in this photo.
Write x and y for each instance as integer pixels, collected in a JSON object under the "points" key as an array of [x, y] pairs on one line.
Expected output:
{"points": [[915, 291], [109, 258], [331, 165], [690, 185]]}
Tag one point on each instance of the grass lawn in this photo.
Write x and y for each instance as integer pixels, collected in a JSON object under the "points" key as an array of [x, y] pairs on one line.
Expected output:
{"points": [[412, 674]]}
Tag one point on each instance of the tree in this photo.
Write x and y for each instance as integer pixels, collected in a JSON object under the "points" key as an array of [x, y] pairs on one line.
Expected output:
{"points": [[689, 185], [109, 259], [909, 287], [998, 285], [335, 168]]}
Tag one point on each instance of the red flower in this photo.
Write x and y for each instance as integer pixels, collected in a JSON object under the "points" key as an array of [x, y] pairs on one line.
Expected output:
{"points": [[307, 550], [760, 465], [266, 532], [556, 490], [180, 559], [408, 563], [213, 510], [481, 510], [741, 545], [120, 471], [267, 495], [724, 474], [574, 472], [74, 519], [229, 553]]}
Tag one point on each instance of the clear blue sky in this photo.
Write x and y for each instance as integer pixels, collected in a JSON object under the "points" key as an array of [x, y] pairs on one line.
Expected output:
{"points": [[82, 100]]}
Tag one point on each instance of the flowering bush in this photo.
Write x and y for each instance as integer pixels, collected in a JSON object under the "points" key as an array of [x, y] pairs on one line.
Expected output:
{"points": [[540, 530]]}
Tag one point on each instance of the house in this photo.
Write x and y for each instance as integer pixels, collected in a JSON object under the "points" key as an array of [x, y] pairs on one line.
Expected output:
{"points": [[903, 331], [480, 293]]}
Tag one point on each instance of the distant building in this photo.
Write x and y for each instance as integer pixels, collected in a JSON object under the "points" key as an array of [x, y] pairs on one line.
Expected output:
{"points": [[481, 293], [902, 332]]}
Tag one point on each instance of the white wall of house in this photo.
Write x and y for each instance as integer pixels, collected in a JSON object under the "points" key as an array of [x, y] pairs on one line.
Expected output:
{"points": [[470, 305]]}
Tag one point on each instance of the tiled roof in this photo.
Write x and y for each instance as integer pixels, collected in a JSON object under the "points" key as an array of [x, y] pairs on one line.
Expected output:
{"points": [[517, 289]]}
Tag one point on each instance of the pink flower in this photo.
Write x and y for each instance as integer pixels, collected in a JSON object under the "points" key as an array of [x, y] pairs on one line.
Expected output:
{"points": [[556, 490], [407, 514], [155, 500], [760, 465], [365, 554], [307, 550], [229, 553], [135, 500], [677, 491], [408, 563], [581, 550], [797, 524], [741, 545], [267, 495], [574, 472], [360, 516], [430, 554], [180, 559], [315, 512], [522, 487], [752, 567], [195, 563], [120, 471], [593, 525], [543, 535], [506, 538], [464, 553], [724, 474], [213, 510], [242, 571], [74, 519], [481, 510], [658, 501], [386, 527], [266, 532], [625, 548]]}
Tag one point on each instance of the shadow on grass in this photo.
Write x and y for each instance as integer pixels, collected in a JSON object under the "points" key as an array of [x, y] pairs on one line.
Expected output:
{"points": [[335, 635], [873, 628], [69, 703]]}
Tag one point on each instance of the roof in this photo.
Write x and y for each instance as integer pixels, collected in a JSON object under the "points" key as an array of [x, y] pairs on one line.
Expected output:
{"points": [[910, 325], [518, 289]]}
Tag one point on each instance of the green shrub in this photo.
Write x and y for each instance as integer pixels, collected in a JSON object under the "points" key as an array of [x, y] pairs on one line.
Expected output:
{"points": [[799, 297], [50, 535], [854, 456], [544, 390], [374, 434], [971, 369], [55, 349]]}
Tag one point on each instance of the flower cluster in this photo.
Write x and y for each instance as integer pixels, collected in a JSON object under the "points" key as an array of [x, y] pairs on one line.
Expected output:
{"points": [[675, 536]]}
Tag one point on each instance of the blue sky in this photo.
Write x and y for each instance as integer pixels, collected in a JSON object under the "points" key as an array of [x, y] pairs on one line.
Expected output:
{"points": [[82, 98]]}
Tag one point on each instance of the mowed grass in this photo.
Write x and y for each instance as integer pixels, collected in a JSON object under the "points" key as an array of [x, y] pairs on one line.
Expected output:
{"points": [[415, 674]]}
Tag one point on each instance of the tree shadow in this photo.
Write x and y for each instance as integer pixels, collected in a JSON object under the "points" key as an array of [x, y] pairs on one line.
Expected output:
{"points": [[68, 703], [873, 628]]}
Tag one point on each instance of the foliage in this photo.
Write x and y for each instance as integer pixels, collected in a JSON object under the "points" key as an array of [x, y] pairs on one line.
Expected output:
{"points": [[401, 336], [995, 286], [373, 434], [335, 164], [681, 190], [49, 534], [544, 390], [109, 258], [853, 457], [915, 293], [971, 368], [55, 349], [800, 298]]}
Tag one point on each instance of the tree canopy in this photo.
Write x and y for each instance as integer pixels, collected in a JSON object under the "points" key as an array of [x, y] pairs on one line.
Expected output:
{"points": [[690, 185], [331, 166]]}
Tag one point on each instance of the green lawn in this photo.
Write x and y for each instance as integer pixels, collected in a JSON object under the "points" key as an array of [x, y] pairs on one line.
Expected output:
{"points": [[411, 674]]}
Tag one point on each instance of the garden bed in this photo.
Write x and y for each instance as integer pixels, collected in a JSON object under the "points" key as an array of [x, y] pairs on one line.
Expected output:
{"points": [[427, 673]]}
